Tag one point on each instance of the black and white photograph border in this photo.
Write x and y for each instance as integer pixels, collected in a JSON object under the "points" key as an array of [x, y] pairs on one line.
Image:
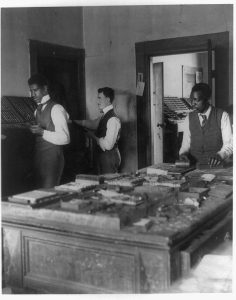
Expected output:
{"points": [[113, 38]]}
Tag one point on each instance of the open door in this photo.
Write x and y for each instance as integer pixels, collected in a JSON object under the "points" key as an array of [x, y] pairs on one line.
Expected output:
{"points": [[157, 111], [221, 82]]}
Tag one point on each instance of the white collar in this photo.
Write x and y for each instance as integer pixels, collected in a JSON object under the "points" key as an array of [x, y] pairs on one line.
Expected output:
{"points": [[44, 99], [207, 113], [107, 108]]}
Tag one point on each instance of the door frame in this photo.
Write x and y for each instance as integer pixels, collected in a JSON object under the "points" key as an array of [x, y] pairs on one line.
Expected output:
{"points": [[145, 50], [38, 48]]}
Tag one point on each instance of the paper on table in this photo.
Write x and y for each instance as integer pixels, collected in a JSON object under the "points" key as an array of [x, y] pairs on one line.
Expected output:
{"points": [[34, 195], [208, 177]]}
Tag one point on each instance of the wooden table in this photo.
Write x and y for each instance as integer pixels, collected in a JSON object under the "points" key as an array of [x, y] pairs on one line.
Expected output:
{"points": [[57, 256]]}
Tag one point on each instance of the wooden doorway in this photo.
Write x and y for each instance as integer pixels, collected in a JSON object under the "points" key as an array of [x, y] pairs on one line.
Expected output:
{"points": [[65, 69], [219, 42]]}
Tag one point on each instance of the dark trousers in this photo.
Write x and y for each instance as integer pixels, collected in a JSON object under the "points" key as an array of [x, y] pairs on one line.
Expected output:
{"points": [[48, 164], [108, 162]]}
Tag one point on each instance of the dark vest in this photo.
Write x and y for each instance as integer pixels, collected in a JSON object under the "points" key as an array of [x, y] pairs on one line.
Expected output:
{"points": [[43, 118], [102, 127], [207, 140]]}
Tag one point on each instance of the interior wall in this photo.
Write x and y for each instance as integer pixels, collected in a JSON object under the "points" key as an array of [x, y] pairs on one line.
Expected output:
{"points": [[63, 26], [110, 36], [172, 70]]}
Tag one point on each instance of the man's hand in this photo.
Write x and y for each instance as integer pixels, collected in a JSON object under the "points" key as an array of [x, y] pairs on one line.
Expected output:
{"points": [[36, 129], [215, 160], [184, 157], [91, 134]]}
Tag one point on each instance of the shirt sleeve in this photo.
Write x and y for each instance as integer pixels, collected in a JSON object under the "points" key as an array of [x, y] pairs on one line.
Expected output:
{"points": [[227, 137], [61, 135], [113, 128], [185, 147]]}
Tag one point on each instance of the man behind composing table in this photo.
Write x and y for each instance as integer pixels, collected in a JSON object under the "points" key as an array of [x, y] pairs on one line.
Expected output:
{"points": [[107, 133], [51, 133], [207, 137]]}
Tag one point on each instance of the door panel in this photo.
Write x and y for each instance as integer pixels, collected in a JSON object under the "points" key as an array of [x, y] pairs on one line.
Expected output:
{"points": [[210, 63], [157, 113], [221, 48]]}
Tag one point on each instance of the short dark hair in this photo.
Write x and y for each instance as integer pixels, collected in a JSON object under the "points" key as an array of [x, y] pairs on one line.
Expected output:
{"points": [[107, 92], [38, 79], [204, 88]]}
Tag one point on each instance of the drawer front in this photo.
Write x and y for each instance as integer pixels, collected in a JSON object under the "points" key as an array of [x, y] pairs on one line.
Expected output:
{"points": [[77, 266]]}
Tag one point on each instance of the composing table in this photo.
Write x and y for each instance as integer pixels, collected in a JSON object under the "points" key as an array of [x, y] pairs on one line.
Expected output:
{"points": [[45, 250]]}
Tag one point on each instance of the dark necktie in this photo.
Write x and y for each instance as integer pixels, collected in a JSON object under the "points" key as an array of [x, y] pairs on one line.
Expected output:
{"points": [[39, 107], [204, 119]]}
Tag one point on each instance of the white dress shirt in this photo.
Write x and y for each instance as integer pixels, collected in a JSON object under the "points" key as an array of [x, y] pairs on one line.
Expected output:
{"points": [[113, 128], [226, 130], [59, 117]]}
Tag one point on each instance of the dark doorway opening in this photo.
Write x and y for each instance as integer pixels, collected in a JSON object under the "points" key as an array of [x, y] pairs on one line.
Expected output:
{"points": [[64, 68], [63, 78]]}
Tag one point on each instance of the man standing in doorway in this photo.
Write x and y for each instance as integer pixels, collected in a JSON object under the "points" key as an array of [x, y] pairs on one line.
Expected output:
{"points": [[51, 133], [207, 137], [107, 133]]}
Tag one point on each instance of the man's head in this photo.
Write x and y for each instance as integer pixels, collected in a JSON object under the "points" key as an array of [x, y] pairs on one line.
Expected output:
{"points": [[105, 97], [38, 85], [200, 95]]}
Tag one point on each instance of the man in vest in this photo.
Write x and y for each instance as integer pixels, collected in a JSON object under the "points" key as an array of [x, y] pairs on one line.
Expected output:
{"points": [[207, 136], [51, 133], [107, 133]]}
